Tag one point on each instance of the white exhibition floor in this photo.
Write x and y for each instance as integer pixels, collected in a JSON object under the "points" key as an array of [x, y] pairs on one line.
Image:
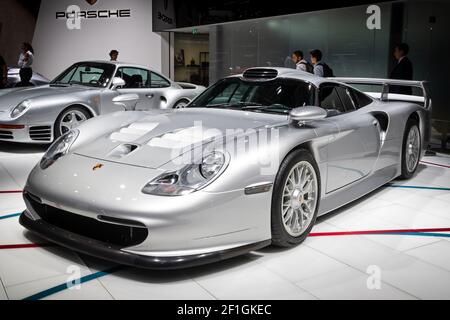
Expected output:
{"points": [[412, 263]]}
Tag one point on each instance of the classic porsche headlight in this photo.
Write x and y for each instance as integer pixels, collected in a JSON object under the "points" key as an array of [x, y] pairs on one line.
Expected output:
{"points": [[20, 109], [59, 149], [189, 179]]}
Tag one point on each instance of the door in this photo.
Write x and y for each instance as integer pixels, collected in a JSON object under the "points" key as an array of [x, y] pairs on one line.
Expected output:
{"points": [[138, 81], [353, 152]]}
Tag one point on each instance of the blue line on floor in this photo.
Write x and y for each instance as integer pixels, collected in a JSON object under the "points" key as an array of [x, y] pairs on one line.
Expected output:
{"points": [[416, 187], [65, 286], [9, 216], [420, 234], [94, 276]]}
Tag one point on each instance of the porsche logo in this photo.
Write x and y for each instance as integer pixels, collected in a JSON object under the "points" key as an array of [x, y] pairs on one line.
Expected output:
{"points": [[97, 167], [91, 2]]}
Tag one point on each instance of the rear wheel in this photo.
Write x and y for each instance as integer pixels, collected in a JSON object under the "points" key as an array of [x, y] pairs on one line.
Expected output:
{"points": [[181, 104], [295, 200], [412, 146], [70, 119]]}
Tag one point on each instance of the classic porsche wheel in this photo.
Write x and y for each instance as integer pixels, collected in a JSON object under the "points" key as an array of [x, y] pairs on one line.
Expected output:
{"points": [[412, 146], [181, 104], [295, 199], [70, 119]]}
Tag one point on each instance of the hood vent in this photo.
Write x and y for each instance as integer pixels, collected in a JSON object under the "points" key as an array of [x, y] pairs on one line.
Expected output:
{"points": [[260, 74], [122, 151]]}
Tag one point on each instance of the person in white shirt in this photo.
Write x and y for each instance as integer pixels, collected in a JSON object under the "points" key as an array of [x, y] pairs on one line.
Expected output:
{"points": [[300, 63], [26, 59]]}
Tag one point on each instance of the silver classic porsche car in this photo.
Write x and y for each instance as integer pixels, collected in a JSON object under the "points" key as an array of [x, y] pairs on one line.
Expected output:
{"points": [[85, 90], [253, 161]]}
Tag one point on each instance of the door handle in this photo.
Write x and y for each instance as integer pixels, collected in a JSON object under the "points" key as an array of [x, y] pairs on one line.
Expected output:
{"points": [[150, 95]]}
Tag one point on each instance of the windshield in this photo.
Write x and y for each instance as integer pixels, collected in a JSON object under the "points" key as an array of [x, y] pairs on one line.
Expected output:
{"points": [[275, 96], [86, 74]]}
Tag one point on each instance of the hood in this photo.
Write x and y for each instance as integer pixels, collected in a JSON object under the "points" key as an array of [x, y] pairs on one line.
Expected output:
{"points": [[13, 97], [155, 140]]}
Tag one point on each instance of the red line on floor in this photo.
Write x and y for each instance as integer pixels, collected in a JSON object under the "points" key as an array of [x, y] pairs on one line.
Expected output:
{"points": [[23, 246], [375, 232], [436, 164], [11, 192], [319, 234]]}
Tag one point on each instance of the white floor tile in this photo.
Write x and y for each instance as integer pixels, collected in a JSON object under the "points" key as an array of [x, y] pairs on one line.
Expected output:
{"points": [[299, 264], [20, 266], [7, 183], [11, 203], [12, 232], [237, 280], [19, 168], [411, 275], [133, 284], [436, 254], [402, 243], [346, 283], [410, 218]]}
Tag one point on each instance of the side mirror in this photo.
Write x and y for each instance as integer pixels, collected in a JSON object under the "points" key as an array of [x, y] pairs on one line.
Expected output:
{"points": [[127, 101], [117, 82], [308, 114]]}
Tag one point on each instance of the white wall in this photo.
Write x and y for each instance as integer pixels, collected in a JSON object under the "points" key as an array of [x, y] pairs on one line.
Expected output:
{"points": [[57, 47]]}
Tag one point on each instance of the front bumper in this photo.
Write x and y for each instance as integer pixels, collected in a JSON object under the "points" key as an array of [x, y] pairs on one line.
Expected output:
{"points": [[117, 255], [33, 134]]}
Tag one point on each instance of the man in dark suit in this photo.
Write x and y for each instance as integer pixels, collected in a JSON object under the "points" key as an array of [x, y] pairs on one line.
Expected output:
{"points": [[403, 69]]}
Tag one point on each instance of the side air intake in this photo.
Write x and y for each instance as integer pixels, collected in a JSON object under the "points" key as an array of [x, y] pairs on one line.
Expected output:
{"points": [[260, 74]]}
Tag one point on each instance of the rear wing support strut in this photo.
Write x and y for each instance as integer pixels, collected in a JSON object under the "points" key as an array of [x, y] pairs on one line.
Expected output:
{"points": [[388, 83]]}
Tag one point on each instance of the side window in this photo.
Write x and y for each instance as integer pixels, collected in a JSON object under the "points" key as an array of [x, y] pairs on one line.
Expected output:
{"points": [[158, 82], [134, 78], [360, 98], [227, 95], [329, 99], [346, 98]]}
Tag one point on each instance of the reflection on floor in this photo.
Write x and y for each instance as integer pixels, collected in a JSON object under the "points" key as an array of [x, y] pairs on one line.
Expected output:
{"points": [[403, 252]]}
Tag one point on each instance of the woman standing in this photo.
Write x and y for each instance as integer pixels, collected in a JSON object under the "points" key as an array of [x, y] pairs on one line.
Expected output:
{"points": [[25, 62]]}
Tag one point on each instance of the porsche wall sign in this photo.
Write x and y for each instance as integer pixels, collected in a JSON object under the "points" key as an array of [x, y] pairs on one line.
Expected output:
{"points": [[80, 13]]}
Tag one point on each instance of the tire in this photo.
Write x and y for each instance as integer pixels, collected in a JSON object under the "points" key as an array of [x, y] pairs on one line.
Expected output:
{"points": [[180, 104], [282, 235], [411, 149], [63, 123]]}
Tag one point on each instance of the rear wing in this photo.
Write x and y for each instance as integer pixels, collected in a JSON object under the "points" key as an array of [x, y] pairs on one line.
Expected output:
{"points": [[386, 84]]}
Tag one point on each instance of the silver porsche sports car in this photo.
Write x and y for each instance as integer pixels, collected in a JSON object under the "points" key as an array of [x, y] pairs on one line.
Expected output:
{"points": [[252, 161], [85, 90]]}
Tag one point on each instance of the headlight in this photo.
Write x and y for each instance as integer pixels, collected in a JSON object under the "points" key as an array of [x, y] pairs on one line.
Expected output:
{"points": [[20, 109], [189, 179], [59, 149]]}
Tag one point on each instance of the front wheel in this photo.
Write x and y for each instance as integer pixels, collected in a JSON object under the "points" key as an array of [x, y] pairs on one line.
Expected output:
{"points": [[70, 119], [412, 148], [295, 200]]}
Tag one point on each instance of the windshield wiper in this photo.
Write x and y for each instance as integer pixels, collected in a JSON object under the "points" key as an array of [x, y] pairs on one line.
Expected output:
{"points": [[273, 107], [239, 105], [58, 83]]}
